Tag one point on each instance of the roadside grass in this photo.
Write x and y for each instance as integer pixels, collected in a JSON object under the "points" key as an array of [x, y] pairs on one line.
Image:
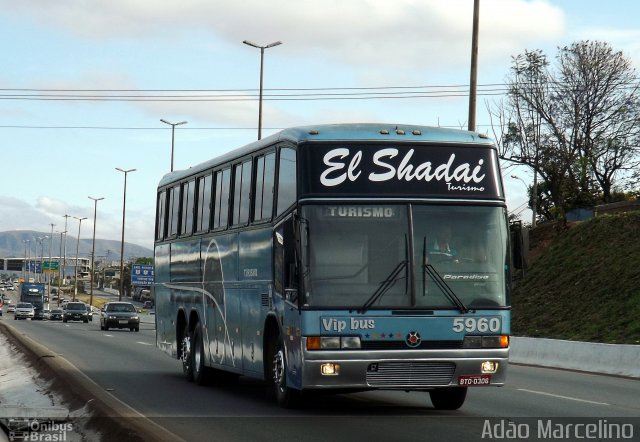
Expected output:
{"points": [[585, 285]]}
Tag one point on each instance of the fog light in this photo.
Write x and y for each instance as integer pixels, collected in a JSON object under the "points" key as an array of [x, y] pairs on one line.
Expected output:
{"points": [[489, 367], [330, 369]]}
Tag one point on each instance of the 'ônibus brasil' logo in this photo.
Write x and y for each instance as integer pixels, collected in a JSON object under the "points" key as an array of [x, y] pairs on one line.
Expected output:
{"points": [[413, 339]]}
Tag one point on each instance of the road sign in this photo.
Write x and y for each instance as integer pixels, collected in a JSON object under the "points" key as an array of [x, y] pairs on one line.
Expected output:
{"points": [[141, 274], [50, 266]]}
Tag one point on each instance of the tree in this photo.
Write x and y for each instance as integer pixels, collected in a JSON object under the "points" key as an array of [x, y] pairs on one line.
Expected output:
{"points": [[576, 124]]}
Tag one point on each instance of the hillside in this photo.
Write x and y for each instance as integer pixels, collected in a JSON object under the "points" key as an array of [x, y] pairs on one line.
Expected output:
{"points": [[583, 282], [11, 246]]}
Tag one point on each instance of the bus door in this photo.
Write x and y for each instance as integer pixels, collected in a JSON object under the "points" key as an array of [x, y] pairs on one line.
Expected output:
{"points": [[286, 287]]}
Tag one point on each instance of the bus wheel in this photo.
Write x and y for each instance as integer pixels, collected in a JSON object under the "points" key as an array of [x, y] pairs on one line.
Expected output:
{"points": [[197, 357], [185, 355], [448, 398], [285, 396]]}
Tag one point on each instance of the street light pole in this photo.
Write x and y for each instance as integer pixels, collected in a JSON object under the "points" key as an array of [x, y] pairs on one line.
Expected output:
{"points": [[124, 205], [64, 260], [50, 270], [262, 48], [473, 78], [75, 279], [173, 130], [93, 244]]}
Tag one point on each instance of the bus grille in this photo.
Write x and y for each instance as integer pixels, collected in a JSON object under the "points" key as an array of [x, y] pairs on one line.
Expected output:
{"points": [[402, 345], [410, 374]]}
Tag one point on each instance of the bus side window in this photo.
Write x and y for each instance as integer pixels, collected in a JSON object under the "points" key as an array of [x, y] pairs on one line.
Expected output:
{"points": [[284, 264], [161, 215], [287, 184]]}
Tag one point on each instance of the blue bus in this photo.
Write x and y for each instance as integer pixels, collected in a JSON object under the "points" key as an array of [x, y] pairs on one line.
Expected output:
{"points": [[343, 257]]}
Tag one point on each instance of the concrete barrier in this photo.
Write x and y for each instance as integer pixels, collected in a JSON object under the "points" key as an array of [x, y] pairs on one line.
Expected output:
{"points": [[615, 359]]}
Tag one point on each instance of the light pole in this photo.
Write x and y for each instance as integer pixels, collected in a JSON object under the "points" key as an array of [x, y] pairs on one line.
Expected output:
{"points": [[173, 130], [262, 48], [64, 260], [75, 278], [124, 205], [24, 273], [50, 269], [59, 266], [93, 244], [39, 240], [533, 214]]}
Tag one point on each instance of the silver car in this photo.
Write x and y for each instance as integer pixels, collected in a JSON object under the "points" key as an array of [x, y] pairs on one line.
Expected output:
{"points": [[24, 310]]}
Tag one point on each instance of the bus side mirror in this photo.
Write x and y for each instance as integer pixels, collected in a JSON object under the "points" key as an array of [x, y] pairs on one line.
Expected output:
{"points": [[291, 295]]}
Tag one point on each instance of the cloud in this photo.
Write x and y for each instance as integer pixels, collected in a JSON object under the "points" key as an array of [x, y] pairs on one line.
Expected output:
{"points": [[404, 33]]}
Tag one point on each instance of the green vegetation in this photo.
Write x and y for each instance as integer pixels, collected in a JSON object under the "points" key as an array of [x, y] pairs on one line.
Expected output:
{"points": [[583, 283]]}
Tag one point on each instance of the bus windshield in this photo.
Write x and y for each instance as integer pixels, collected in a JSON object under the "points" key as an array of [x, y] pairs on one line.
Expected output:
{"points": [[404, 256]]}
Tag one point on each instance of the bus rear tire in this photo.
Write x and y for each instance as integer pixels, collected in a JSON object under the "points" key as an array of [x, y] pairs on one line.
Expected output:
{"points": [[448, 398], [286, 397]]}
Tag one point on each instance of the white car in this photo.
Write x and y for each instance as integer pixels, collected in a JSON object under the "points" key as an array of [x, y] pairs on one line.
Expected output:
{"points": [[24, 310]]}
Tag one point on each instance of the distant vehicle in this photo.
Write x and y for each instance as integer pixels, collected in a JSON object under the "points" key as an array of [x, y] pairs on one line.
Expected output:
{"points": [[75, 311], [34, 294], [148, 304], [56, 314], [11, 308], [24, 310], [119, 315], [46, 313]]}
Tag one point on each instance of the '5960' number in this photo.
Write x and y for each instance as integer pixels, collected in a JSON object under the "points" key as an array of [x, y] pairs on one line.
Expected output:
{"points": [[481, 325]]}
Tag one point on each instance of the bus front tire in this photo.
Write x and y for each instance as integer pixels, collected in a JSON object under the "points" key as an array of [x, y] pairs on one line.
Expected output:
{"points": [[448, 398], [185, 355], [200, 372], [286, 397]]}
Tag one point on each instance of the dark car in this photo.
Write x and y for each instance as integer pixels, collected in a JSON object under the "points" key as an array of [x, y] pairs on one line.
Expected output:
{"points": [[119, 315], [56, 314], [75, 311]]}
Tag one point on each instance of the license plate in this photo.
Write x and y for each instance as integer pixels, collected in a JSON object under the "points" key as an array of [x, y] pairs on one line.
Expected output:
{"points": [[474, 380], [123, 321]]}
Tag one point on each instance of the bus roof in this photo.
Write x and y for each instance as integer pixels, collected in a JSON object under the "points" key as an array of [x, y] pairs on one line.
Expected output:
{"points": [[397, 133]]}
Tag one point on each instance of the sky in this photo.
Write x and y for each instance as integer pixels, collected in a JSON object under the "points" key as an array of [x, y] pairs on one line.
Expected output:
{"points": [[84, 84]]}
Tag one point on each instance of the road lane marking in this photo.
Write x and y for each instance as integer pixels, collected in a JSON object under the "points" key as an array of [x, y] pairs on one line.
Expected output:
{"points": [[143, 343], [563, 397]]}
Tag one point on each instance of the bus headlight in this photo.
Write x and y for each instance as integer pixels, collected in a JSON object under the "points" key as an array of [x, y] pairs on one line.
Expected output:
{"points": [[333, 342], [499, 341]]}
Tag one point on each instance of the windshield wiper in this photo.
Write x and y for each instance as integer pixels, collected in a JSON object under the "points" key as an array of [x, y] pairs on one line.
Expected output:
{"points": [[384, 286], [444, 287]]}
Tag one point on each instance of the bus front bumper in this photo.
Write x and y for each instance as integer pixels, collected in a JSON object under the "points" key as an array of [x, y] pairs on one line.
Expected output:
{"points": [[415, 370]]}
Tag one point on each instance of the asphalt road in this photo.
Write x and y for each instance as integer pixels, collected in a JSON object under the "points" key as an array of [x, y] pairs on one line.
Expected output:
{"points": [[128, 365]]}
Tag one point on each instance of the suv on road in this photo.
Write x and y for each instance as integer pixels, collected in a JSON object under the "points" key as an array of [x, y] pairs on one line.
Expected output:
{"points": [[75, 311], [24, 310]]}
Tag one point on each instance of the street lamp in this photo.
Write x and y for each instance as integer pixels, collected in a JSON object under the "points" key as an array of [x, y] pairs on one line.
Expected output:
{"points": [[75, 279], [124, 205], [173, 129], [40, 240], [262, 48], [50, 269], [24, 273], [64, 260], [533, 211], [93, 244]]}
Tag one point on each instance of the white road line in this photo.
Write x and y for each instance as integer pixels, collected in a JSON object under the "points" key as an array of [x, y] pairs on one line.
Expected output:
{"points": [[143, 343], [563, 397]]}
